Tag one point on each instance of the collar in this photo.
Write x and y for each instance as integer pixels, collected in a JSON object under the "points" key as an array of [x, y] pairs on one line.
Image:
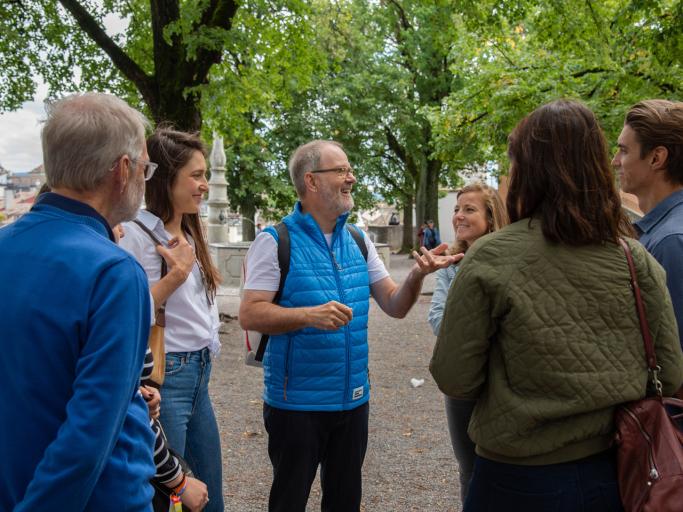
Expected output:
{"points": [[654, 216], [307, 219], [151, 221], [76, 207]]}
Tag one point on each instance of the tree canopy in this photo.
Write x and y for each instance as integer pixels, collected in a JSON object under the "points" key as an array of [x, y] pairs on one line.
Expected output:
{"points": [[419, 91]]}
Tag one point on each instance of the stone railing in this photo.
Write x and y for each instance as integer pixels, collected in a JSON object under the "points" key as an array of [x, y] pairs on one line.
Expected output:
{"points": [[228, 257]]}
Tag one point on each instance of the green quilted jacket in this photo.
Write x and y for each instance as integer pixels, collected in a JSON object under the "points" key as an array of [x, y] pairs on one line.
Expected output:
{"points": [[545, 336]]}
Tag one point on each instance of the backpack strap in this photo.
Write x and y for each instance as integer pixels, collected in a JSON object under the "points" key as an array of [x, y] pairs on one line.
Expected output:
{"points": [[283, 255], [160, 317], [359, 239]]}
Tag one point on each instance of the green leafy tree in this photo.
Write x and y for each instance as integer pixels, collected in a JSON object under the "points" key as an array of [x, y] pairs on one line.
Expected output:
{"points": [[162, 59], [519, 55]]}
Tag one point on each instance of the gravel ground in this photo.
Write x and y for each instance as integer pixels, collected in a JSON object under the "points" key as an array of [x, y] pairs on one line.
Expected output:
{"points": [[409, 465]]}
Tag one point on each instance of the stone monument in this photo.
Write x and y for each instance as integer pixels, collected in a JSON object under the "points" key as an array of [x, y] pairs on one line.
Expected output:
{"points": [[217, 231]]}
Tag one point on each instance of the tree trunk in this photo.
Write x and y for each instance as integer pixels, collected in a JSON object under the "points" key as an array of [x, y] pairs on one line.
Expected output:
{"points": [[431, 206], [408, 242], [248, 211]]}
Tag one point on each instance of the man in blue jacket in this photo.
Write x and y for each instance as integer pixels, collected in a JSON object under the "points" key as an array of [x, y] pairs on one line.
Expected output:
{"points": [[74, 321], [316, 383], [649, 162]]}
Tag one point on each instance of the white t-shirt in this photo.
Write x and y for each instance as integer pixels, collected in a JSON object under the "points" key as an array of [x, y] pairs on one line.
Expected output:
{"points": [[262, 269], [191, 323]]}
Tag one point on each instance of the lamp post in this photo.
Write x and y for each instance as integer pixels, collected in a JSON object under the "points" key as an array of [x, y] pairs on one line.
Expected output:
{"points": [[218, 193]]}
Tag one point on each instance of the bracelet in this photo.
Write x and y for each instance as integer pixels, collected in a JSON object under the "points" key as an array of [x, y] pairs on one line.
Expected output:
{"points": [[180, 488]]}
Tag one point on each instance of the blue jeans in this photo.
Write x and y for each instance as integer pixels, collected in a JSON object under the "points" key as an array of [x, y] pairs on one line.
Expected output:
{"points": [[189, 422], [584, 485], [458, 414]]}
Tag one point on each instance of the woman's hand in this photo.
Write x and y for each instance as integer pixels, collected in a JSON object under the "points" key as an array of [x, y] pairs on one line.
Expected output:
{"points": [[196, 495], [153, 399], [179, 256]]}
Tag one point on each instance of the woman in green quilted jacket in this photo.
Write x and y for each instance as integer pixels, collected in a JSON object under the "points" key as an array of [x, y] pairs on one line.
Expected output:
{"points": [[540, 325]]}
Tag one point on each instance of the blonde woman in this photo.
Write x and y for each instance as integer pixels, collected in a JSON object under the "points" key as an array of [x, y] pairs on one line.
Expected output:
{"points": [[478, 211]]}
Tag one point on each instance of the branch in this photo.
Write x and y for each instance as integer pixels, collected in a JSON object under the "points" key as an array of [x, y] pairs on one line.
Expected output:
{"points": [[119, 58], [395, 145], [402, 15], [218, 14]]}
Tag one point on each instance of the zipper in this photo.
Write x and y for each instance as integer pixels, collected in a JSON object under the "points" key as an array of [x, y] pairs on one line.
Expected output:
{"points": [[337, 268], [654, 473], [288, 355]]}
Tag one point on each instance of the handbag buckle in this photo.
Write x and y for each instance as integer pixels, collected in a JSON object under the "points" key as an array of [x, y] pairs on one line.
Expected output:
{"points": [[654, 374]]}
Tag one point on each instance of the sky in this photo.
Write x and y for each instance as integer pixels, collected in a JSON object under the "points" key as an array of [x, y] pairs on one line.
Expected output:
{"points": [[20, 149]]}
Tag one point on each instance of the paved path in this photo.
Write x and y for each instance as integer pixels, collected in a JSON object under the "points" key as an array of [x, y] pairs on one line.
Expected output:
{"points": [[409, 465]]}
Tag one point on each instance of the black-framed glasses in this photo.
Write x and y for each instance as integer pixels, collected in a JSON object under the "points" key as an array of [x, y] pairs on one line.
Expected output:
{"points": [[149, 168], [342, 172]]}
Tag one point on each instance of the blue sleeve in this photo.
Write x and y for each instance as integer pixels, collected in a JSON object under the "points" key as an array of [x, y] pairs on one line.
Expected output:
{"points": [[437, 238], [106, 379], [669, 253], [443, 284]]}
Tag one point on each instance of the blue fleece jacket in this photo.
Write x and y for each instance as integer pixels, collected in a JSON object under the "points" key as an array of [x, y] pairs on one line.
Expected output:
{"points": [[74, 323]]}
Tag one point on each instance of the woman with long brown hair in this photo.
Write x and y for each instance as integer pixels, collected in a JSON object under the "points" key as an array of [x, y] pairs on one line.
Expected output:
{"points": [[173, 197], [540, 325]]}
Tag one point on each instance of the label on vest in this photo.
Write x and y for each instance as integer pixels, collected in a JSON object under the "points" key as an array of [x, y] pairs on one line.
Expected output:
{"points": [[357, 393]]}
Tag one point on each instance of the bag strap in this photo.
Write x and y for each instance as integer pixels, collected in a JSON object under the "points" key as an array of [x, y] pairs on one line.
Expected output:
{"points": [[283, 257], [650, 356], [160, 317]]}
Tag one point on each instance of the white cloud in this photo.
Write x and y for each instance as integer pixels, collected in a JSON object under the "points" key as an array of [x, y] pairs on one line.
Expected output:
{"points": [[20, 148]]}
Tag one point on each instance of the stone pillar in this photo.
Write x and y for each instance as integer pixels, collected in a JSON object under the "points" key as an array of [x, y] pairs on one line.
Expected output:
{"points": [[218, 194]]}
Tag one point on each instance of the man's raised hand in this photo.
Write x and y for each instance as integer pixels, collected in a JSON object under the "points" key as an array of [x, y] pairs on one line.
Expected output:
{"points": [[431, 261]]}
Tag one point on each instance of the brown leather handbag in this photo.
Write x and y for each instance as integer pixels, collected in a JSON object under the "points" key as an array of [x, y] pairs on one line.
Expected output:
{"points": [[156, 335], [649, 437]]}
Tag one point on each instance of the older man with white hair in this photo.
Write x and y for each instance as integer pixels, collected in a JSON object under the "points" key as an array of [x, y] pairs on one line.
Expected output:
{"points": [[74, 322], [317, 383]]}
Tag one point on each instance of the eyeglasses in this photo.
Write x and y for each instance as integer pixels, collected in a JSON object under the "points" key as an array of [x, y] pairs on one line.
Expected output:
{"points": [[149, 169], [342, 172]]}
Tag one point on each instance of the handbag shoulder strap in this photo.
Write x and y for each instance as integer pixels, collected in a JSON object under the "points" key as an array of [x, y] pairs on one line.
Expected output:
{"points": [[642, 318], [160, 317]]}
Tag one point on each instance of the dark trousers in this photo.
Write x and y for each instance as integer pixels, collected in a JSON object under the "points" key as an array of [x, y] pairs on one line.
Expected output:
{"points": [[299, 441], [584, 485], [458, 414]]}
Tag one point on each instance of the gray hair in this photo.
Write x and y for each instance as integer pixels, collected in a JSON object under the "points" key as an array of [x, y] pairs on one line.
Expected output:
{"points": [[84, 135], [305, 159]]}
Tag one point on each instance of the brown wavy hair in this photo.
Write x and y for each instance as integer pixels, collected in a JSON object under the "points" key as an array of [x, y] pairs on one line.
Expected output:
{"points": [[560, 173], [660, 123], [172, 150], [496, 215]]}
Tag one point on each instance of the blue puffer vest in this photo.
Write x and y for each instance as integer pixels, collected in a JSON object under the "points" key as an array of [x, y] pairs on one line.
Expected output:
{"points": [[311, 369]]}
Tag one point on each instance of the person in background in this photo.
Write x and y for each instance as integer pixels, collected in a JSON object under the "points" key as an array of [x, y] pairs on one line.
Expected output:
{"points": [[431, 236], [74, 321], [478, 211], [421, 235], [173, 197], [540, 326]]}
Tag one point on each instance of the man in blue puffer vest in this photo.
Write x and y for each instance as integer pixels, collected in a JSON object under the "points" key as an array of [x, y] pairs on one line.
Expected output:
{"points": [[316, 385]]}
